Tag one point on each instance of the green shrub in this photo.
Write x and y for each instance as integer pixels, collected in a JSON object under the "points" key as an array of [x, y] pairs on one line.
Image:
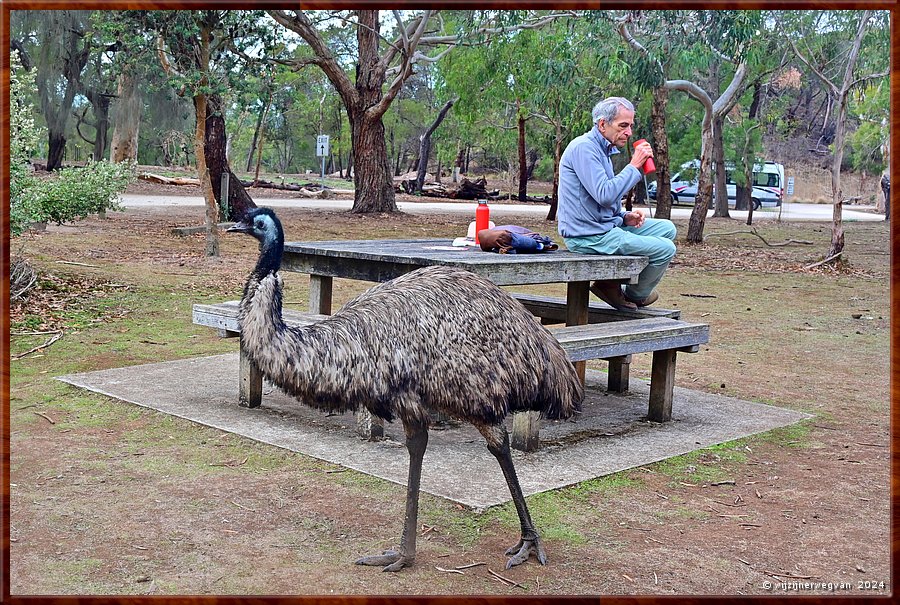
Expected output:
{"points": [[70, 194], [74, 193]]}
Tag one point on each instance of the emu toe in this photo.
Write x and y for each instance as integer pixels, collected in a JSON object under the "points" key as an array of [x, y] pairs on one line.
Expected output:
{"points": [[524, 549], [391, 559]]}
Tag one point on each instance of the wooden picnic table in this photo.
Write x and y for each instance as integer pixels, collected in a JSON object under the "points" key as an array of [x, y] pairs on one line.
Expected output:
{"points": [[613, 335], [383, 260]]}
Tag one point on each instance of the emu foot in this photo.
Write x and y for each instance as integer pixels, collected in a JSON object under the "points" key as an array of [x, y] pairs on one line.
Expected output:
{"points": [[524, 549], [391, 559]]}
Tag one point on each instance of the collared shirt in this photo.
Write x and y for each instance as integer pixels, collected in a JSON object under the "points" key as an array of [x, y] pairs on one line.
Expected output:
{"points": [[590, 195]]}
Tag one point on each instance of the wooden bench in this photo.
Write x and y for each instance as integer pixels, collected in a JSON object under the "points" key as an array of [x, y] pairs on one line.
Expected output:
{"points": [[552, 310], [614, 341], [617, 341]]}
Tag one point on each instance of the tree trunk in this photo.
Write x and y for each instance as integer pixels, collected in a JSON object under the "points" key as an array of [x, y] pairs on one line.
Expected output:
{"points": [[65, 31], [256, 131], [127, 120], [239, 201], [532, 162], [425, 145], [523, 162], [212, 211], [661, 152], [557, 155], [721, 187], [100, 103], [837, 196], [704, 185], [374, 187], [744, 194], [56, 150]]}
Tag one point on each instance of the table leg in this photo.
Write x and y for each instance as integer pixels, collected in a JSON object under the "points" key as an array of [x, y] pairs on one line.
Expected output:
{"points": [[320, 294], [577, 294], [618, 373]]}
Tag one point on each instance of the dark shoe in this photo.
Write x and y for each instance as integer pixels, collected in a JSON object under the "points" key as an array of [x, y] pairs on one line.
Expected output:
{"points": [[610, 292], [651, 298]]}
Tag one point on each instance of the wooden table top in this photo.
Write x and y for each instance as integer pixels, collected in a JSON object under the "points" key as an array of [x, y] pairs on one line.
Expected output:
{"points": [[382, 260]]}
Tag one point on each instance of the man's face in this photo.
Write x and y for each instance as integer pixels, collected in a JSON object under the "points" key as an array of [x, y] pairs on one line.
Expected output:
{"points": [[618, 130]]}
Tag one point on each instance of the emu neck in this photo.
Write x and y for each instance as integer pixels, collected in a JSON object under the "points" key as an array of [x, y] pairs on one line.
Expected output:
{"points": [[270, 253]]}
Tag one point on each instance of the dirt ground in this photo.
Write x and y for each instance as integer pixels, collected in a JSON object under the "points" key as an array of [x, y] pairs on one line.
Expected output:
{"points": [[109, 498]]}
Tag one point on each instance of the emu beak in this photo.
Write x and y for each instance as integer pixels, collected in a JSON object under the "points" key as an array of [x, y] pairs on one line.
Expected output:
{"points": [[241, 227]]}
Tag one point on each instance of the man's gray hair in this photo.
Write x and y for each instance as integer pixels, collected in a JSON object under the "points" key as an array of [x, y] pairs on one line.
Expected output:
{"points": [[609, 107]]}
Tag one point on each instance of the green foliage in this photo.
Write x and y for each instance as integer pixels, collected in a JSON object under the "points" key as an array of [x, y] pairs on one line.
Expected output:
{"points": [[872, 107], [74, 193], [23, 140], [70, 194]]}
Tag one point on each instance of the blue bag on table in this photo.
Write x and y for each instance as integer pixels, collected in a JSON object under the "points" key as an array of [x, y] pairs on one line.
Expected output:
{"points": [[512, 239]]}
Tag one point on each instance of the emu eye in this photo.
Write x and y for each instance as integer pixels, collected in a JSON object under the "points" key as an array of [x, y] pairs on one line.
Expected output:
{"points": [[259, 225]]}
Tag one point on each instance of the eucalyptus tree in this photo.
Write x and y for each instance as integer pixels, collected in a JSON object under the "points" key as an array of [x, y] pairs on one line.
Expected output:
{"points": [[204, 53], [62, 44], [384, 57], [845, 51], [655, 56], [563, 87], [720, 36]]}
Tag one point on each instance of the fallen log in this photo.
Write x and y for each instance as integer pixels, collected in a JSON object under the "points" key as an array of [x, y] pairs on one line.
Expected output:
{"points": [[164, 180]]}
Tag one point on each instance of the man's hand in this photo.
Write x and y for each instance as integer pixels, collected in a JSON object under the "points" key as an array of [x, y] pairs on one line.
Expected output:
{"points": [[640, 155], [633, 219]]}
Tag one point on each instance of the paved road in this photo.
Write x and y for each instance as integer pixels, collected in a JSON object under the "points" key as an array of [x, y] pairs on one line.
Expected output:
{"points": [[789, 211]]}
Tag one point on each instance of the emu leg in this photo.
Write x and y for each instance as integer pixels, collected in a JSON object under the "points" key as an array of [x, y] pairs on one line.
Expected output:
{"points": [[416, 442], [530, 543]]}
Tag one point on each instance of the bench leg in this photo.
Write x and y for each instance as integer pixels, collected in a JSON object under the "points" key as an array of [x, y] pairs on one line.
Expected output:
{"points": [[619, 369], [662, 384], [526, 431], [249, 382]]}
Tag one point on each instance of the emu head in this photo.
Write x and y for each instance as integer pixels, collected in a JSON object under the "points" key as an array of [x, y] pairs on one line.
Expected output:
{"points": [[262, 224]]}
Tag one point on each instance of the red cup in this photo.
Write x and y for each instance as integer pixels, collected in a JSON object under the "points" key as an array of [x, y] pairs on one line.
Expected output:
{"points": [[649, 165]]}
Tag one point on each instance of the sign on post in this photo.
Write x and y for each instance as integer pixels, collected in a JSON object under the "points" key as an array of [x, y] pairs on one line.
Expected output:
{"points": [[322, 151], [321, 145], [790, 186]]}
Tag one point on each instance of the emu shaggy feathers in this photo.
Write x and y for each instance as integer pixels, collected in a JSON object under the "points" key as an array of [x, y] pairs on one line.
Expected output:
{"points": [[436, 339]]}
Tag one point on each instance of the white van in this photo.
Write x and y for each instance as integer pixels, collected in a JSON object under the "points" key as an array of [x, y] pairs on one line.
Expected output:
{"points": [[768, 184]]}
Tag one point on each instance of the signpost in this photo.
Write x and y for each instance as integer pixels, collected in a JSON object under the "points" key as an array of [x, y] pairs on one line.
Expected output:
{"points": [[322, 150], [790, 186]]}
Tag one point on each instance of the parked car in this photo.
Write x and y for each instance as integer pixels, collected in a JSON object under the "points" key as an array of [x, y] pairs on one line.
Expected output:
{"points": [[768, 185]]}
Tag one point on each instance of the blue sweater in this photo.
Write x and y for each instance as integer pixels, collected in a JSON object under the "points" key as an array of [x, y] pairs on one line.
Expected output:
{"points": [[590, 196]]}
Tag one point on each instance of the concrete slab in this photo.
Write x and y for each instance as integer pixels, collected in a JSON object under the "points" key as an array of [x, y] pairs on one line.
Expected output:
{"points": [[611, 435]]}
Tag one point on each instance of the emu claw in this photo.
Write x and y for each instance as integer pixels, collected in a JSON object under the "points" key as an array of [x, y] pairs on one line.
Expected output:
{"points": [[524, 549], [392, 559]]}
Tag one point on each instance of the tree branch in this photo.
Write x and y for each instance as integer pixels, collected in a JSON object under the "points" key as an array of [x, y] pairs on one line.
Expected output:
{"points": [[301, 25], [859, 81], [824, 79], [405, 68], [729, 97]]}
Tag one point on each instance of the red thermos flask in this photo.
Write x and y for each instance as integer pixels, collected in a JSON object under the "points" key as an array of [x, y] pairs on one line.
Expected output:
{"points": [[649, 165], [482, 217]]}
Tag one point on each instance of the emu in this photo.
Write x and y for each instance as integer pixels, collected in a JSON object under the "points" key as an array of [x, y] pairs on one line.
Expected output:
{"points": [[438, 338]]}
